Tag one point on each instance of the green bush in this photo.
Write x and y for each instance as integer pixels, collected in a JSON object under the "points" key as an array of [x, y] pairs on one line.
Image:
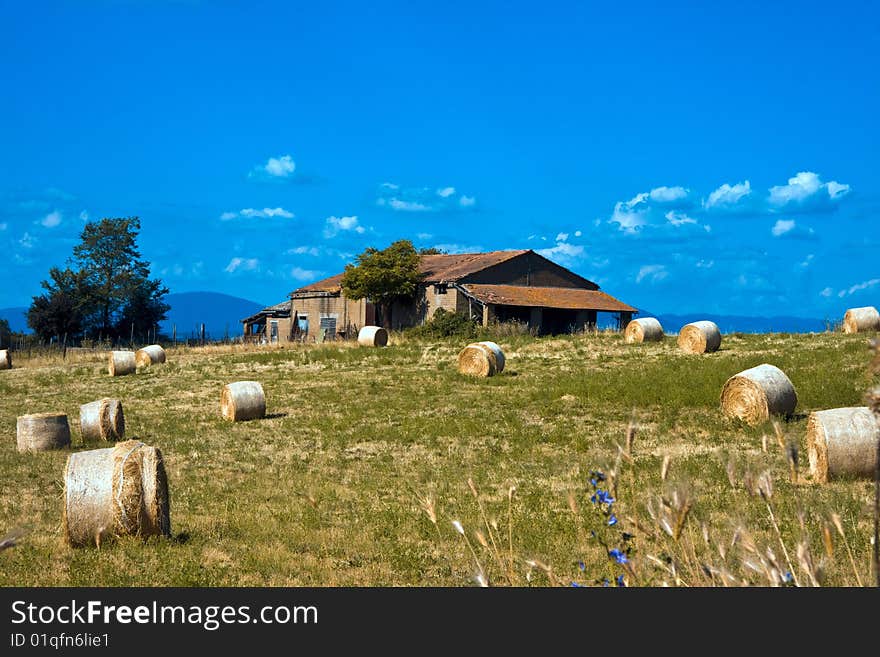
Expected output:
{"points": [[445, 324]]}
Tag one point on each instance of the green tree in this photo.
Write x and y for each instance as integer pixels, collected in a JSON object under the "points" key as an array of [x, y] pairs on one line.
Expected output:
{"points": [[432, 250], [384, 276], [61, 310], [109, 293], [119, 280], [5, 333]]}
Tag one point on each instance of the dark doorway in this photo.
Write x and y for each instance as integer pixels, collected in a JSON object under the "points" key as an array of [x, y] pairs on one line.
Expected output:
{"points": [[557, 321]]}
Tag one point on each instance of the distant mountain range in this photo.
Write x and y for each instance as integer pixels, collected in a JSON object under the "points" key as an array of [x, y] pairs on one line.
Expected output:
{"points": [[221, 313], [17, 318], [741, 324]]}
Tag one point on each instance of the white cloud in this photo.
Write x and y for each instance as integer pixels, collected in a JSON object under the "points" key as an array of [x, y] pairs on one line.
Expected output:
{"points": [[424, 236], [84, 216], [336, 225], [858, 287], [562, 237], [422, 199], [806, 189], [458, 248], [808, 260], [52, 219], [243, 264], [406, 206], [652, 273], [641, 210], [280, 167], [562, 252], [827, 292], [679, 218], [304, 250], [27, 241], [782, 226], [299, 274], [577, 233], [250, 213], [628, 217], [727, 196], [705, 264], [667, 194]]}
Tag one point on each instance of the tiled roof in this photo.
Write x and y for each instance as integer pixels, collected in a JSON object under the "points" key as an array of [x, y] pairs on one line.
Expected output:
{"points": [[547, 297], [434, 268], [279, 309]]}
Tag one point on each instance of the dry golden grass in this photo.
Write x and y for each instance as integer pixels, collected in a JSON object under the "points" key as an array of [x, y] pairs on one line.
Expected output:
{"points": [[331, 488]]}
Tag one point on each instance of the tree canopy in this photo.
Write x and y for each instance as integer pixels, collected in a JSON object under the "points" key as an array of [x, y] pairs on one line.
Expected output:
{"points": [[107, 291], [383, 276]]}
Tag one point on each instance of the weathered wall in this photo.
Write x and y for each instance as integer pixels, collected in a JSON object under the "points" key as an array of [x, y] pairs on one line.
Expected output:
{"points": [[350, 315], [529, 269]]}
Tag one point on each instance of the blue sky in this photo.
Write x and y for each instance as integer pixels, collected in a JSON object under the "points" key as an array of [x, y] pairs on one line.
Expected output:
{"points": [[717, 159]]}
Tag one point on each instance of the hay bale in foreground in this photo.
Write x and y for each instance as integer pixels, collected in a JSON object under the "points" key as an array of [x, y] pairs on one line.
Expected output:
{"points": [[243, 400], [699, 337], [646, 329], [500, 360], [477, 360], [372, 336], [5, 359], [116, 491], [859, 320], [757, 393], [842, 441], [42, 431], [150, 355], [102, 420], [121, 363]]}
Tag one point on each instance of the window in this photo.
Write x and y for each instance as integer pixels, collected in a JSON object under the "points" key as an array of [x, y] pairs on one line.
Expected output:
{"points": [[440, 288]]}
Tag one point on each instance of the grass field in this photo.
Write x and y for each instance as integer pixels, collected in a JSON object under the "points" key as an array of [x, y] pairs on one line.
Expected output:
{"points": [[363, 449]]}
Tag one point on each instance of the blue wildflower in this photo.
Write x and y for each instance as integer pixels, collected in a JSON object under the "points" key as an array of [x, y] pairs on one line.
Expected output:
{"points": [[605, 582], [582, 565], [620, 582], [593, 483], [598, 475], [618, 556], [576, 585], [788, 577], [612, 520], [602, 497]]}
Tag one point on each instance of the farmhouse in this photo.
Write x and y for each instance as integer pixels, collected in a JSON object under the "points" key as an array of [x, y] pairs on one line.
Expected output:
{"points": [[271, 324], [496, 286]]}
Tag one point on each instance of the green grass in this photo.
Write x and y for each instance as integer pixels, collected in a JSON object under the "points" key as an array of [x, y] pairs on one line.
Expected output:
{"points": [[326, 490]]}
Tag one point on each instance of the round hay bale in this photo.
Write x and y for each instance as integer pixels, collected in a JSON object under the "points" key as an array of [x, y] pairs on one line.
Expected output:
{"points": [[499, 355], [42, 431], [116, 491], [699, 337], [102, 420], [859, 320], [121, 363], [5, 359], [372, 336], [842, 441], [646, 329], [151, 355], [477, 360], [243, 400], [757, 393]]}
